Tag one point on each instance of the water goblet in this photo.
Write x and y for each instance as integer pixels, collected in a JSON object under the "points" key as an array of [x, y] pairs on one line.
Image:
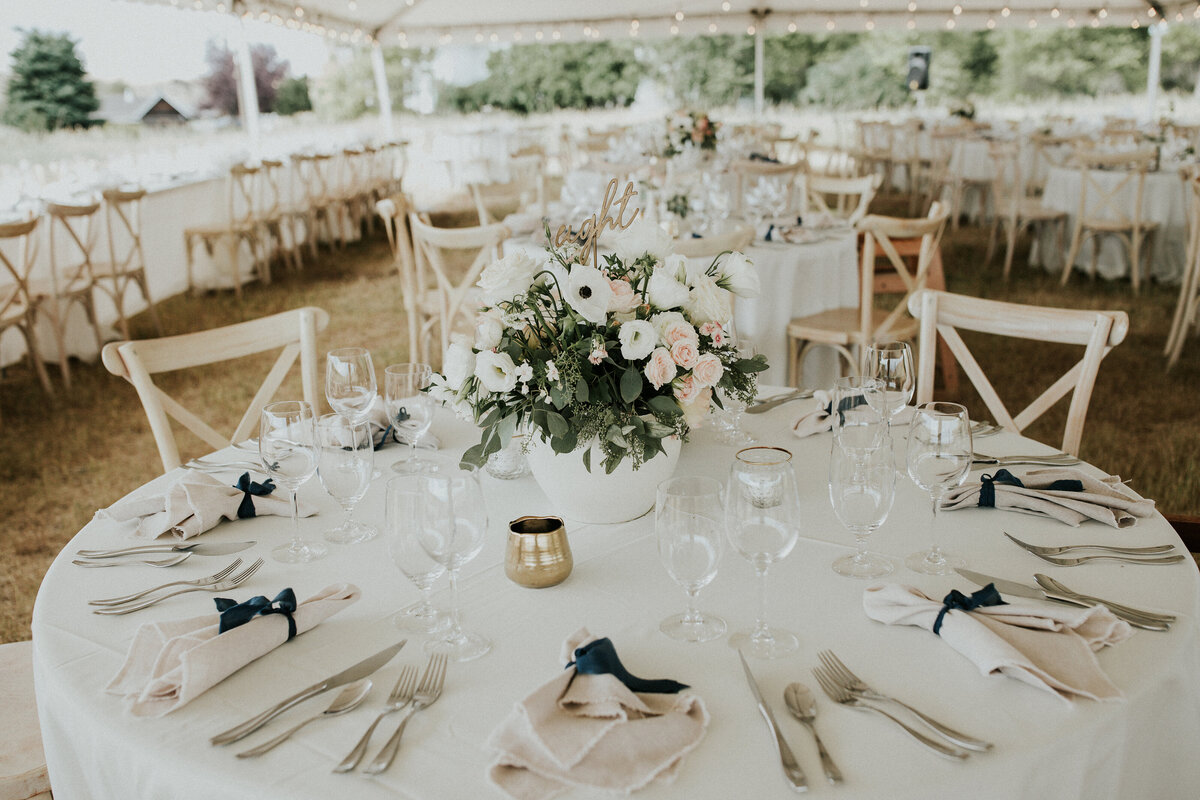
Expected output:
{"points": [[857, 424], [344, 466], [287, 446], [762, 518], [409, 409], [938, 459], [861, 489], [891, 363], [350, 384], [687, 523], [402, 523]]}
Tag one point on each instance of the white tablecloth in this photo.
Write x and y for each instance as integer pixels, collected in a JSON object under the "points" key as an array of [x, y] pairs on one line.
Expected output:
{"points": [[1143, 747]]}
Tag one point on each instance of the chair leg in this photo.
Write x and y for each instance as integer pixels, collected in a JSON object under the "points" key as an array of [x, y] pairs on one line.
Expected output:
{"points": [[793, 368], [140, 279], [35, 357], [1072, 253], [991, 251], [1011, 241], [1135, 262]]}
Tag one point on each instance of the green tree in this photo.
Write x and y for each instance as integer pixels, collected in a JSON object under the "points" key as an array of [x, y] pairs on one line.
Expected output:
{"points": [[1087, 61], [347, 91], [48, 89], [1181, 57], [292, 97]]}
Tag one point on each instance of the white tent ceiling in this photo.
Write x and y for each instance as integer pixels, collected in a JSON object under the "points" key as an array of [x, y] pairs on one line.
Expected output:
{"points": [[430, 22]]}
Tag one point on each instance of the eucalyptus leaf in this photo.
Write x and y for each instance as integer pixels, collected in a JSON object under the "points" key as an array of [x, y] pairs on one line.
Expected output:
{"points": [[667, 406], [631, 385], [557, 423], [581, 390]]}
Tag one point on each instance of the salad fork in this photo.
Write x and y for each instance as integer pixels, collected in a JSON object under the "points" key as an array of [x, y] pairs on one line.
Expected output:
{"points": [[1052, 460], [1075, 561], [129, 598], [425, 696], [857, 686], [1040, 550], [220, 586], [401, 696], [117, 562]]}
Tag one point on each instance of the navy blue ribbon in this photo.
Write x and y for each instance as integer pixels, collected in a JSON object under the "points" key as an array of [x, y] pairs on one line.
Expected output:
{"points": [[600, 658], [390, 430], [987, 486], [235, 614], [987, 596], [250, 489], [764, 158], [844, 405]]}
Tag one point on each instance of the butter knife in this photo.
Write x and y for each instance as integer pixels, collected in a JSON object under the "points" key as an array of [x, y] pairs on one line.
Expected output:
{"points": [[766, 405], [195, 548], [791, 768], [357, 672]]}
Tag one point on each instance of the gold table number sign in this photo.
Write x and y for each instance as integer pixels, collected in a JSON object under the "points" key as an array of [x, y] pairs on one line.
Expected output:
{"points": [[591, 227]]}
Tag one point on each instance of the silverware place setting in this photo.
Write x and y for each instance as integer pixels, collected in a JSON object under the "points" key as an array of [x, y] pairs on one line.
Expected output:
{"points": [[136, 603], [1051, 460], [1126, 555], [170, 548], [427, 693], [346, 700], [762, 406], [980, 428], [169, 561], [802, 704], [787, 760], [1042, 550]]}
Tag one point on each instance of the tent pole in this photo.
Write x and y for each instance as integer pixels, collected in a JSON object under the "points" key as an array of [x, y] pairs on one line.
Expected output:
{"points": [[248, 92], [381, 92], [758, 69], [1153, 77]]}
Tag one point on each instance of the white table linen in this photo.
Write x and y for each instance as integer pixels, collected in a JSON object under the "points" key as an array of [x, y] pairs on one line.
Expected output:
{"points": [[1142, 747]]}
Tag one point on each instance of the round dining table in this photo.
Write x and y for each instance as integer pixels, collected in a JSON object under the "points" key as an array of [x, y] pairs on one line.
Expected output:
{"points": [[1141, 745]]}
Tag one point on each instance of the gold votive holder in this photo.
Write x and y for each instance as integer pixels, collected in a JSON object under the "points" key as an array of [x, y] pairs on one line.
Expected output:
{"points": [[537, 554]]}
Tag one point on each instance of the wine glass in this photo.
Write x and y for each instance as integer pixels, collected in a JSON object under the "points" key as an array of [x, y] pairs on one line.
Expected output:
{"points": [[687, 522], [287, 446], [730, 429], [409, 408], [762, 517], [858, 426], [350, 384], [403, 523], [861, 489], [939, 458], [344, 465], [452, 528], [891, 363]]}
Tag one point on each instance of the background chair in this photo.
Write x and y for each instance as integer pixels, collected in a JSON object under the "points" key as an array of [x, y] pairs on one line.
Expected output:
{"points": [[944, 314], [240, 227], [848, 199], [137, 361], [126, 264], [1012, 210], [736, 238], [18, 305], [1187, 307], [23, 773], [71, 277], [394, 211]]}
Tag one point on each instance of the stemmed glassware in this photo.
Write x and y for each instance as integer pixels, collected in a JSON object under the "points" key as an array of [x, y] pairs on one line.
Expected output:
{"points": [[858, 426], [939, 458], [762, 518], [350, 384], [403, 511], [729, 430], [287, 446], [688, 523], [344, 465], [891, 363], [861, 489], [409, 408]]}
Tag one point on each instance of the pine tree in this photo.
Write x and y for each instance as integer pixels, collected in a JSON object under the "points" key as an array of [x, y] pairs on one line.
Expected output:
{"points": [[48, 89]]}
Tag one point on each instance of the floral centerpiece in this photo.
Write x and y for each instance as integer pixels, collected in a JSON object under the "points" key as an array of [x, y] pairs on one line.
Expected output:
{"points": [[611, 360], [695, 130]]}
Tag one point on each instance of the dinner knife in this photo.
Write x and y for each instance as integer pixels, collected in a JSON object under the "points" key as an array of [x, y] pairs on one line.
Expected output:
{"points": [[357, 672], [195, 548], [1135, 617], [767, 405], [791, 768]]}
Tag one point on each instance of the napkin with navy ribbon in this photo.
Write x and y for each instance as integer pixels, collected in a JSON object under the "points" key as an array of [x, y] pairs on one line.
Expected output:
{"points": [[197, 502], [170, 663], [385, 431], [821, 418], [1049, 647], [1066, 494], [595, 725]]}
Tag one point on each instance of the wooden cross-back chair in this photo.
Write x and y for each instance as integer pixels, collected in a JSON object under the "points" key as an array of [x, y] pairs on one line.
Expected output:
{"points": [[944, 314], [18, 305], [138, 361], [525, 189], [355, 191], [737, 237], [394, 211], [874, 151], [240, 227], [1106, 208], [1187, 307], [1012, 210], [845, 198], [323, 215], [850, 330], [749, 173], [71, 235], [126, 264], [448, 297], [1048, 152], [277, 216]]}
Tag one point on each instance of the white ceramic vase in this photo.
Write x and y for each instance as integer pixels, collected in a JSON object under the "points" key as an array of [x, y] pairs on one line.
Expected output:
{"points": [[596, 496]]}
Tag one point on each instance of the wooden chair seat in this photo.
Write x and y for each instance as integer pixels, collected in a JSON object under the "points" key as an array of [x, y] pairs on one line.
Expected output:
{"points": [[1116, 226], [23, 773], [839, 326]]}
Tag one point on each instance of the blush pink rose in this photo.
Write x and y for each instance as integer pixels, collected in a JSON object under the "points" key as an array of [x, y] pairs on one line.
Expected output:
{"points": [[708, 370], [623, 299], [685, 353], [687, 389], [679, 332], [660, 369], [695, 411]]}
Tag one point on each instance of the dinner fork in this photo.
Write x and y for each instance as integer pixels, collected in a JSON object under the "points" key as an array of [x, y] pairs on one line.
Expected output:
{"points": [[1052, 460], [1077, 560], [980, 428], [202, 465], [129, 598], [857, 686], [117, 562], [220, 586], [426, 695], [401, 696], [841, 695], [1042, 550]]}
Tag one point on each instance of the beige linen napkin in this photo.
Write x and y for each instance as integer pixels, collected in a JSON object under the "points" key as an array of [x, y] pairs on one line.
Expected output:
{"points": [[818, 420], [195, 503], [378, 420], [1104, 499], [591, 731], [171, 663], [1047, 647]]}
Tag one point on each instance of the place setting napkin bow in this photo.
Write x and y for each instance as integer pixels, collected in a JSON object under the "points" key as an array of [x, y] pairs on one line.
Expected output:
{"points": [[1066, 494], [595, 725], [821, 418], [384, 431], [1048, 647], [197, 502]]}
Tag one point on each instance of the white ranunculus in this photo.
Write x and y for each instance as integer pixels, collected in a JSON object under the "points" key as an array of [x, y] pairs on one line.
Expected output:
{"points": [[496, 371], [664, 291], [709, 302], [488, 332], [589, 293], [458, 365], [638, 339], [507, 278], [640, 238], [740, 275]]}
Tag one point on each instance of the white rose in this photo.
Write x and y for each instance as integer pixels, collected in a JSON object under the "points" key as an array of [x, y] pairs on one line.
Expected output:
{"points": [[638, 339], [640, 238], [589, 293], [740, 275], [664, 291], [488, 332], [496, 371], [507, 278], [709, 302], [458, 365]]}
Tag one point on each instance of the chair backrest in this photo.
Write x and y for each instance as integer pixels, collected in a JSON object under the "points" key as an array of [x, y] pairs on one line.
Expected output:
{"points": [[315, 175], [137, 361], [1187, 307], [78, 222], [242, 197], [1049, 152], [749, 173], [845, 198], [1007, 183], [123, 229], [18, 253], [736, 238], [272, 188], [943, 314], [1109, 200]]}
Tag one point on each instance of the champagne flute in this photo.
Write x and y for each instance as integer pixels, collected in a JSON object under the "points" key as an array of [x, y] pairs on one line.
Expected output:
{"points": [[762, 518], [687, 522], [409, 408], [350, 384], [403, 523], [453, 525], [287, 445], [344, 466], [861, 489], [939, 458], [891, 363]]}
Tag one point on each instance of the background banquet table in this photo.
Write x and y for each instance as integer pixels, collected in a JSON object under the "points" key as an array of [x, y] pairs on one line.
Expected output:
{"points": [[1044, 747]]}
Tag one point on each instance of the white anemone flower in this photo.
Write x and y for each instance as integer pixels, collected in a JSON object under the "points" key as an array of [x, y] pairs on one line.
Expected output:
{"points": [[589, 293]]}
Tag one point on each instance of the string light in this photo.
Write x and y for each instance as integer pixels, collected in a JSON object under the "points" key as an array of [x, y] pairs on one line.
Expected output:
{"points": [[478, 37], [1070, 22], [957, 10], [750, 30], [674, 30], [1004, 12], [556, 35], [912, 23], [1054, 12], [830, 24], [870, 24], [863, 3], [1135, 24], [726, 6], [912, 6], [792, 27], [712, 27], [538, 35], [679, 16], [1103, 13], [991, 24], [950, 24], [1032, 22]]}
